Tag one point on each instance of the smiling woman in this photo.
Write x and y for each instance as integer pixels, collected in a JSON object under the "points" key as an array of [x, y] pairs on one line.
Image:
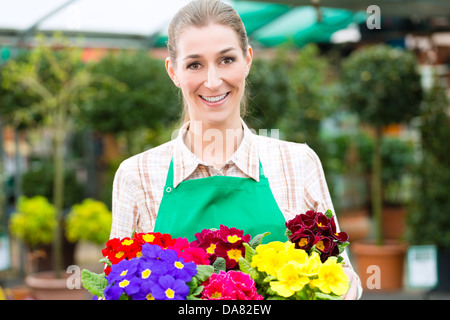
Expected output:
{"points": [[244, 181]]}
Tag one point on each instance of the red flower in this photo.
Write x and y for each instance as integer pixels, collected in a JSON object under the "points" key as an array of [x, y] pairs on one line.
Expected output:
{"points": [[225, 242], [319, 229], [341, 236]]}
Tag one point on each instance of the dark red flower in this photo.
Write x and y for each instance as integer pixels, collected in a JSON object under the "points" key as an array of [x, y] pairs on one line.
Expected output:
{"points": [[225, 242], [339, 236], [303, 239], [322, 222]]}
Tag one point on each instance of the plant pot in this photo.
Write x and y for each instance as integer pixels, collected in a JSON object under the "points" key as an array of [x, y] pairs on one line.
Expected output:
{"points": [[355, 223], [380, 267], [44, 286], [394, 222]]}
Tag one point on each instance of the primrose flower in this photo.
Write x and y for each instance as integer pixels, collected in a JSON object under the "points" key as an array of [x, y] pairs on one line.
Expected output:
{"points": [[289, 281], [225, 242], [231, 285], [170, 288], [331, 278]]}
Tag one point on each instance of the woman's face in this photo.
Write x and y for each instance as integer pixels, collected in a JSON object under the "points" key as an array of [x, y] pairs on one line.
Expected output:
{"points": [[210, 69]]}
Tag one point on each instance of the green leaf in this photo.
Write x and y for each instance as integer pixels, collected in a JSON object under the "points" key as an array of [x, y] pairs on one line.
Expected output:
{"points": [[249, 252], [342, 246], [269, 278], [246, 267], [257, 240], [93, 282], [105, 260], [324, 296], [219, 265], [329, 214], [203, 272]]}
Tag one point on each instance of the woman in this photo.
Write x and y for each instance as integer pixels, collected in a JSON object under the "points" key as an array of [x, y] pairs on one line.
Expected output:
{"points": [[216, 171]]}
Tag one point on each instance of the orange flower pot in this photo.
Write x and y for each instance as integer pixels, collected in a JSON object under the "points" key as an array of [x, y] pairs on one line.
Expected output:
{"points": [[379, 267]]}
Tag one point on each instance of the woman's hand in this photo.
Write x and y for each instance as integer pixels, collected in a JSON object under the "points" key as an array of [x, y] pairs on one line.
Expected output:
{"points": [[352, 293]]}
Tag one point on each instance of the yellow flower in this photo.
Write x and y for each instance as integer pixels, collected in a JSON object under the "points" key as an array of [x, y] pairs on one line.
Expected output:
{"points": [[311, 267], [332, 278], [269, 261], [289, 281]]}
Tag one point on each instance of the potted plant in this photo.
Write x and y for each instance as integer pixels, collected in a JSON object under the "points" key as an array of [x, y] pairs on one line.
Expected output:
{"points": [[89, 221], [398, 160], [33, 223], [382, 85], [428, 220]]}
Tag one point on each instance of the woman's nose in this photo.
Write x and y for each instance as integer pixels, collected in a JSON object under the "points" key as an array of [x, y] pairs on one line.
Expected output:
{"points": [[213, 80]]}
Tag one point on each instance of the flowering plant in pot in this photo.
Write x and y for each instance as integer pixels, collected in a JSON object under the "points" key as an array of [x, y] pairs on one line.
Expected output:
{"points": [[382, 85], [33, 223], [226, 264]]}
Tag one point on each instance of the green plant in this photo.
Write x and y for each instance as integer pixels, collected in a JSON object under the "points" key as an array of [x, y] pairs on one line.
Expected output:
{"points": [[149, 104], [292, 92], [90, 221], [382, 85], [34, 221], [55, 76], [428, 221]]}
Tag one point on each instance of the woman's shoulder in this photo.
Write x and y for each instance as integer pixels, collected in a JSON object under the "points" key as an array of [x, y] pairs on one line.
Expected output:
{"points": [[149, 160], [271, 145]]}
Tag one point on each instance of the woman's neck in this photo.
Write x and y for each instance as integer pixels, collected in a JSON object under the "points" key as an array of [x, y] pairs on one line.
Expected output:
{"points": [[214, 143]]}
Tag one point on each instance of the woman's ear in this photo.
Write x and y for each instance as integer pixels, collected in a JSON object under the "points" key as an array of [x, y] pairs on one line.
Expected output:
{"points": [[171, 71], [249, 59]]}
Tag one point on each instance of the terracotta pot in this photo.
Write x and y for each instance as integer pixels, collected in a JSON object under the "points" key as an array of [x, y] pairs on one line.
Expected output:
{"points": [[380, 267], [355, 223], [394, 222], [44, 286]]}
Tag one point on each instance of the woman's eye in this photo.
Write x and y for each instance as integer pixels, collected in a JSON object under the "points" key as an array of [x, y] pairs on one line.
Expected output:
{"points": [[194, 66], [227, 60]]}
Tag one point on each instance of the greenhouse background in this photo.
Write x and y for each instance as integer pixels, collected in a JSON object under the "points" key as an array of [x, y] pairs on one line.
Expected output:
{"points": [[315, 79]]}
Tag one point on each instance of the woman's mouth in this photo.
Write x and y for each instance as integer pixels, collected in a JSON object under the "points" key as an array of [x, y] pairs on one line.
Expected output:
{"points": [[215, 99]]}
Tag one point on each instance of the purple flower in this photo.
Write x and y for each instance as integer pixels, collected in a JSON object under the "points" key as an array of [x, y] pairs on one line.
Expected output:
{"points": [[169, 288], [125, 269]]}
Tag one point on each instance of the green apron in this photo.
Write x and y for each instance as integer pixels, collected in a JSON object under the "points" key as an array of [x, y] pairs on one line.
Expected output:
{"points": [[207, 203]]}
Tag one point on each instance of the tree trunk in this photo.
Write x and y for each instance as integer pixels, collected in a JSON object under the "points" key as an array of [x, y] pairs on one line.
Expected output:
{"points": [[58, 194], [376, 186]]}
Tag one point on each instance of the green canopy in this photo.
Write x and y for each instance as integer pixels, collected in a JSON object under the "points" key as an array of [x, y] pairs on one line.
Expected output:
{"points": [[301, 25], [272, 24]]}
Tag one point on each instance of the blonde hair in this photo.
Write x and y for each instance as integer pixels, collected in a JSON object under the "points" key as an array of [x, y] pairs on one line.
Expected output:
{"points": [[200, 13]]}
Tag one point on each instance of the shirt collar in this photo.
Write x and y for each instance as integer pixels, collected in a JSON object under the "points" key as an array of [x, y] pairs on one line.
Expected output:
{"points": [[185, 162]]}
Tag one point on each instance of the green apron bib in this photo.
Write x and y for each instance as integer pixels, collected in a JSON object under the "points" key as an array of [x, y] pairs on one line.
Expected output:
{"points": [[207, 203]]}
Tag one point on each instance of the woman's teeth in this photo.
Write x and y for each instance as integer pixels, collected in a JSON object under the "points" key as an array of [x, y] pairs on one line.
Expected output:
{"points": [[215, 99]]}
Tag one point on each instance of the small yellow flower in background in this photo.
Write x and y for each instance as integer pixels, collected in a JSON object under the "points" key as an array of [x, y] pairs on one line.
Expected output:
{"points": [[332, 278], [289, 281]]}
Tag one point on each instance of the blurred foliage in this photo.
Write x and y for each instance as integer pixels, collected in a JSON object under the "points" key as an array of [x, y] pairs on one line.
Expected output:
{"points": [[428, 219], [381, 84], [34, 221], [148, 105], [38, 180], [292, 92], [90, 221]]}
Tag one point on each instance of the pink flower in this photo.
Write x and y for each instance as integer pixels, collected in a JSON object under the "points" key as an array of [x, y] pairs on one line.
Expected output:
{"points": [[231, 285], [188, 253]]}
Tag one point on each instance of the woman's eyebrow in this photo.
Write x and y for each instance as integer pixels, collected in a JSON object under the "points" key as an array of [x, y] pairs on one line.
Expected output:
{"points": [[197, 56]]}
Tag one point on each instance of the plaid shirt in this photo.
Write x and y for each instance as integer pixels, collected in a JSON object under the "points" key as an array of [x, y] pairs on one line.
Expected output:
{"points": [[294, 171]]}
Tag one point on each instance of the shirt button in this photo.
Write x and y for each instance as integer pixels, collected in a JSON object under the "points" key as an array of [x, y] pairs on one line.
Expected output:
{"points": [[168, 189]]}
